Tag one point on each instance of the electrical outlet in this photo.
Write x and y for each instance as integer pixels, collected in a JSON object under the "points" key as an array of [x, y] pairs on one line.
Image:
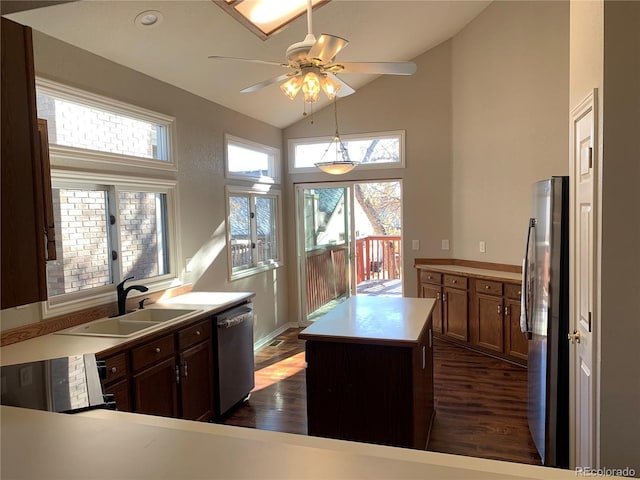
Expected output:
{"points": [[483, 246], [415, 244], [445, 244]]}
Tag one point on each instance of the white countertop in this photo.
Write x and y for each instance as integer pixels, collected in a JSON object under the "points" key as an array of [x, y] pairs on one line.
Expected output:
{"points": [[56, 345], [116, 446], [475, 272], [381, 320]]}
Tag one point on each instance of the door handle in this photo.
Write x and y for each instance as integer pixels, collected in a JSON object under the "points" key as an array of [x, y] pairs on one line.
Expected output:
{"points": [[574, 337]]}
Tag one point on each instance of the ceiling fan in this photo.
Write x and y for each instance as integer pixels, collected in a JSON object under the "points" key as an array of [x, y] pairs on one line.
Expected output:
{"points": [[312, 66]]}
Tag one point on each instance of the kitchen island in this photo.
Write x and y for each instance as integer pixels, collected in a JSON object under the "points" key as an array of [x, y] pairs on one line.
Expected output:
{"points": [[370, 371]]}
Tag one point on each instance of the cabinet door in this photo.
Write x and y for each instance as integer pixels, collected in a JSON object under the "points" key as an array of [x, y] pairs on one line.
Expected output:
{"points": [[434, 291], [196, 382], [517, 344], [23, 229], [121, 394], [489, 328], [156, 389], [455, 309]]}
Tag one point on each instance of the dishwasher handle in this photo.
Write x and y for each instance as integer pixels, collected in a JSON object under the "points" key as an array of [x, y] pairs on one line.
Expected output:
{"points": [[236, 317]]}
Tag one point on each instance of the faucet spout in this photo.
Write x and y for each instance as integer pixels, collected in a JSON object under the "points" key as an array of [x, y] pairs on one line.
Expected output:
{"points": [[123, 292]]}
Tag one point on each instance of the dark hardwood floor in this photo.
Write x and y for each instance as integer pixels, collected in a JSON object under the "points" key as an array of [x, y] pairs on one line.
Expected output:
{"points": [[481, 402]]}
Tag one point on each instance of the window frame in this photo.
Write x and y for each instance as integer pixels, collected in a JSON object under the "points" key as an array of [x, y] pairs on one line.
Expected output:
{"points": [[272, 152], [76, 157], [293, 142], [235, 273], [71, 302]]}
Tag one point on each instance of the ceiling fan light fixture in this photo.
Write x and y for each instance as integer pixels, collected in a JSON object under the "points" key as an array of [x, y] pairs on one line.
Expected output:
{"points": [[330, 86], [311, 87], [291, 87]]}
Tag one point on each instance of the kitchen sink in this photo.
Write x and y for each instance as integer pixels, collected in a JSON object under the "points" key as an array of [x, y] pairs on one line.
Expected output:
{"points": [[128, 324]]}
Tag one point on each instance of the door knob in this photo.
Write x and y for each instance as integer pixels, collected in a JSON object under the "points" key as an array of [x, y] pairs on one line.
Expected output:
{"points": [[574, 337]]}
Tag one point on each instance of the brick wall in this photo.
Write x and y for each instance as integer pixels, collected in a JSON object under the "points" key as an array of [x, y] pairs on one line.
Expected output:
{"points": [[83, 127]]}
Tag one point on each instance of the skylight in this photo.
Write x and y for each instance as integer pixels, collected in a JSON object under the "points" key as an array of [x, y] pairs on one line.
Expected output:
{"points": [[266, 17]]}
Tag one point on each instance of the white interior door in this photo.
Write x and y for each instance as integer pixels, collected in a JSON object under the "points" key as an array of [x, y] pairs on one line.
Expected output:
{"points": [[583, 320]]}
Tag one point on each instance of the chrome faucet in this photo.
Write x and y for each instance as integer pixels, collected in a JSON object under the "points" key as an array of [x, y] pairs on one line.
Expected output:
{"points": [[123, 292]]}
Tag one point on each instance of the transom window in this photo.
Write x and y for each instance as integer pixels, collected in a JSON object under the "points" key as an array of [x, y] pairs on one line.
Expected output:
{"points": [[371, 150], [253, 231], [247, 160], [79, 120]]}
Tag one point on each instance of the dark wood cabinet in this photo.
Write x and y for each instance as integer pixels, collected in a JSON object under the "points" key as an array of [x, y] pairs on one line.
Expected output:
{"points": [[23, 199], [196, 372], [370, 390], [430, 290], [169, 375], [455, 307], [489, 326], [156, 389], [516, 343], [476, 310]]}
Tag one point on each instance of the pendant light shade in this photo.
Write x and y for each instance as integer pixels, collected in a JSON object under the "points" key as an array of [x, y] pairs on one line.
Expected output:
{"points": [[342, 163]]}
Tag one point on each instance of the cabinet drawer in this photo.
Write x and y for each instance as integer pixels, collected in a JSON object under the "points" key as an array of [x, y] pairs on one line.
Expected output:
{"points": [[431, 277], [455, 281], [152, 352], [512, 291], [489, 287], [116, 367], [194, 334]]}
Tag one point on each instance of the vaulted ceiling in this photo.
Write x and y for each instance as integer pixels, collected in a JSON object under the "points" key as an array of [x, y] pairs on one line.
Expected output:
{"points": [[176, 49]]}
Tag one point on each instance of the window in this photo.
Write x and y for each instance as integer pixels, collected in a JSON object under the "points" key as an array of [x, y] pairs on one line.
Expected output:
{"points": [[247, 160], [266, 17], [372, 150], [99, 129], [109, 224], [253, 231], [107, 232]]}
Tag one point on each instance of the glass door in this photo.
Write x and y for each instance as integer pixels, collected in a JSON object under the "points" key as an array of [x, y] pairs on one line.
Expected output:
{"points": [[324, 247]]}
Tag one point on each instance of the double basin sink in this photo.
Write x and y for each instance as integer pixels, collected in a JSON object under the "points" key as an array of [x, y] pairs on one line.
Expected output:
{"points": [[128, 324]]}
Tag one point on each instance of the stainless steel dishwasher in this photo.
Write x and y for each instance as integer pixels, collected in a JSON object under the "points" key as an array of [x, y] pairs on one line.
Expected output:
{"points": [[234, 363]]}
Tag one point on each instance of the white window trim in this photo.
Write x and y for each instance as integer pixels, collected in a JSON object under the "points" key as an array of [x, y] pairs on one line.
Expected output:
{"points": [[293, 142], [230, 190], [72, 302], [242, 142], [78, 157]]}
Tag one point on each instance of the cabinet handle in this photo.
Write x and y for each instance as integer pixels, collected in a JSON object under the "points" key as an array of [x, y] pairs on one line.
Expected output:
{"points": [[444, 296], [178, 374], [424, 357], [506, 311], [429, 277], [197, 332], [157, 350], [430, 338], [487, 287], [454, 281], [499, 309], [114, 369], [437, 295], [186, 373]]}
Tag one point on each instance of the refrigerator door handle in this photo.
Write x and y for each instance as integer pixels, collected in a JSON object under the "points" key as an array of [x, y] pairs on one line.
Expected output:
{"points": [[526, 290]]}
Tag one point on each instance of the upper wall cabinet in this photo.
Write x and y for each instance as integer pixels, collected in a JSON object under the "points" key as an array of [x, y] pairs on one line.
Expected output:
{"points": [[23, 199]]}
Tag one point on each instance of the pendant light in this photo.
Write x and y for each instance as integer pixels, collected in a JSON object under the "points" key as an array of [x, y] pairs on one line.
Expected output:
{"points": [[342, 163]]}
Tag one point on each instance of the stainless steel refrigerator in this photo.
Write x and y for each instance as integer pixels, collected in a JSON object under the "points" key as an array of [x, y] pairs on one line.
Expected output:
{"points": [[545, 319]]}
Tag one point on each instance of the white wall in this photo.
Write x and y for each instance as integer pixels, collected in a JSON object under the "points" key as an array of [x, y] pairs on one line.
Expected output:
{"points": [[200, 125], [510, 99]]}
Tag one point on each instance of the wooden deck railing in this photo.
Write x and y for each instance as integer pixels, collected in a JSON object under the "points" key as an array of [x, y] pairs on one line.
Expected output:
{"points": [[326, 275], [378, 257]]}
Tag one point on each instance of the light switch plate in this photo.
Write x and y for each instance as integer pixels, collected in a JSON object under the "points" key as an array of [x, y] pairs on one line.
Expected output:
{"points": [[415, 244], [483, 246], [445, 244]]}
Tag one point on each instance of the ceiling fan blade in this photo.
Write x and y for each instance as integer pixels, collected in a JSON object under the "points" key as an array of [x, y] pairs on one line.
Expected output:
{"points": [[382, 68], [327, 47], [345, 89], [250, 60], [264, 83]]}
